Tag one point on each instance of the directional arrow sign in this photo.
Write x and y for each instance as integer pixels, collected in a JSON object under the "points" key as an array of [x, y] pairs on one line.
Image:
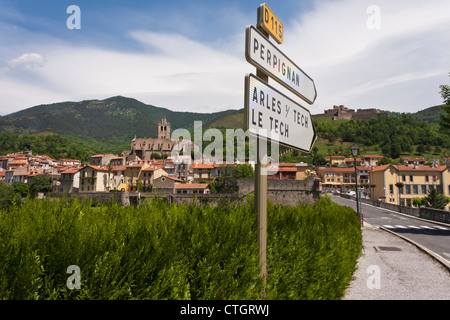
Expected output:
{"points": [[265, 56], [270, 114]]}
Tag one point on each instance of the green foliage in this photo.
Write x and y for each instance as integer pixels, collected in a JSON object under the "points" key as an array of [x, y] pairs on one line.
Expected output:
{"points": [[156, 251], [394, 133], [54, 146], [39, 184], [243, 171], [445, 117], [9, 195], [434, 199]]}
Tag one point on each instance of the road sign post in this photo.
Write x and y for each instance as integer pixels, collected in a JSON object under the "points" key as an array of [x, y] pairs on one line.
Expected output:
{"points": [[269, 114], [261, 194]]}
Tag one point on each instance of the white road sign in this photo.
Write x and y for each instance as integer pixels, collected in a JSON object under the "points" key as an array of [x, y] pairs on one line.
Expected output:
{"points": [[265, 56], [270, 114]]}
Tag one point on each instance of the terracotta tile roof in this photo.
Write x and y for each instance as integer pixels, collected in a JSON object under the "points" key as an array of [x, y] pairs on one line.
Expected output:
{"points": [[203, 166], [186, 186], [380, 168]]}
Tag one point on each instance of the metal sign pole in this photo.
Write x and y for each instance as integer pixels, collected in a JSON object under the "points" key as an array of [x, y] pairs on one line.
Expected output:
{"points": [[261, 192]]}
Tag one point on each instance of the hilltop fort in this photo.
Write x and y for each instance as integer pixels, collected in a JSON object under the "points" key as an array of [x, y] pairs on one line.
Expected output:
{"points": [[343, 113]]}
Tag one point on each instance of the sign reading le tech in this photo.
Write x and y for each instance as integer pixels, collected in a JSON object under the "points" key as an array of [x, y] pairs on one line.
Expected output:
{"points": [[265, 56], [272, 115]]}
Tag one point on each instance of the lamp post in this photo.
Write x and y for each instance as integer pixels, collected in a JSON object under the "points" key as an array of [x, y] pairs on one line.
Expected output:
{"points": [[355, 151]]}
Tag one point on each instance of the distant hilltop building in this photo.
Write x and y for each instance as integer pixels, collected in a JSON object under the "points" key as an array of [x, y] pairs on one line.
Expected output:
{"points": [[343, 113], [143, 148]]}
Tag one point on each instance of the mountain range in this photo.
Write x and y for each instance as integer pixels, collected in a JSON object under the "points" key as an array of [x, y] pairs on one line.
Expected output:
{"points": [[110, 122], [113, 122]]}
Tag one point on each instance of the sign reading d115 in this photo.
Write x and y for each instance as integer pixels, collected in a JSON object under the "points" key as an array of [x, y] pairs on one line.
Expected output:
{"points": [[270, 114], [265, 56], [270, 23]]}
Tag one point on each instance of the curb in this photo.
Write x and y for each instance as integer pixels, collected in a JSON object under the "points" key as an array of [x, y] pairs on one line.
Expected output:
{"points": [[432, 254]]}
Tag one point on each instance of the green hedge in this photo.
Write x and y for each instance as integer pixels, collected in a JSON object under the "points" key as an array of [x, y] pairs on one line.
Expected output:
{"points": [[156, 251]]}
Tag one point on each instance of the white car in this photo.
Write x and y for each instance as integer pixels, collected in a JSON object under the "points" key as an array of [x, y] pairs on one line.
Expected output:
{"points": [[351, 193]]}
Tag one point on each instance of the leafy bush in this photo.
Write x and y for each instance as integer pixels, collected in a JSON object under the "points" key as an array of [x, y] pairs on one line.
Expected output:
{"points": [[156, 251]]}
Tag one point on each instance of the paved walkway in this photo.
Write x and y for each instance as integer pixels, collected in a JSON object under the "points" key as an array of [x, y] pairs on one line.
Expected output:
{"points": [[391, 268]]}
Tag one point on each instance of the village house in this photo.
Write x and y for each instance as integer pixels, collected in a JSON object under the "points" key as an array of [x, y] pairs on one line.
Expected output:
{"points": [[165, 185], [94, 179], [340, 178], [203, 171], [70, 162], [148, 175], [69, 181], [416, 180], [371, 160], [102, 159], [192, 188]]}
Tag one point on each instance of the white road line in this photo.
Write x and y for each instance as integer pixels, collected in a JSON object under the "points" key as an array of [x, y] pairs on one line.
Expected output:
{"points": [[414, 227], [427, 227], [401, 227], [388, 226], [442, 228]]}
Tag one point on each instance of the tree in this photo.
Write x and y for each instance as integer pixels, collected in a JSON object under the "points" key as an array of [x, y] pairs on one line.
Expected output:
{"points": [[40, 184], [242, 171], [384, 160], [418, 202], [7, 195], [436, 200], [20, 188], [319, 160], [445, 118]]}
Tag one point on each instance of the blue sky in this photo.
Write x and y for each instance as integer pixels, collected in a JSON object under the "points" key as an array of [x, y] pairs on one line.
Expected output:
{"points": [[189, 55]]}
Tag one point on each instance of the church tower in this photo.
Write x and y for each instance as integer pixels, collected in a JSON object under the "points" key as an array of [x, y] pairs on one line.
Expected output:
{"points": [[164, 129]]}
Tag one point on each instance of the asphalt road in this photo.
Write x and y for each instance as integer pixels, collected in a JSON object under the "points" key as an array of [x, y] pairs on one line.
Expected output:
{"points": [[431, 235]]}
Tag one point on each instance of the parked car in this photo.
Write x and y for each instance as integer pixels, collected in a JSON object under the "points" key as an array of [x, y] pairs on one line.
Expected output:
{"points": [[351, 193]]}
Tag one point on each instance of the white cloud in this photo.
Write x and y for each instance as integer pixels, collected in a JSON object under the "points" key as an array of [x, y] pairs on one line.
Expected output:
{"points": [[26, 61], [398, 67]]}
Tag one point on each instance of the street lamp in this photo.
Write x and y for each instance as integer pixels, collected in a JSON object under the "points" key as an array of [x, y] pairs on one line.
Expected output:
{"points": [[355, 151]]}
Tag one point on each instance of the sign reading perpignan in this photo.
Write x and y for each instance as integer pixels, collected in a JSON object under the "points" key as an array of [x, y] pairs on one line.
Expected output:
{"points": [[265, 56]]}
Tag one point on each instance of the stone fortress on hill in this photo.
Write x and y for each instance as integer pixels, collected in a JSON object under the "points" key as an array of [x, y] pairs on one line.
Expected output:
{"points": [[343, 113]]}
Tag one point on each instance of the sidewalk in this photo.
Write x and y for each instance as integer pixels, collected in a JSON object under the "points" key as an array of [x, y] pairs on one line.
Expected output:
{"points": [[391, 268]]}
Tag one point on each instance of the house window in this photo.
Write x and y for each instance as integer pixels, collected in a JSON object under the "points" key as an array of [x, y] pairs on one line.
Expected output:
{"points": [[404, 178], [415, 189], [408, 189], [427, 179], [424, 189], [391, 189], [411, 179], [434, 178]]}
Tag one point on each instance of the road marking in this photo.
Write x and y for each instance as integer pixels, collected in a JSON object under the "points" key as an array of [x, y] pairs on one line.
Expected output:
{"points": [[388, 226], [442, 228], [427, 227], [401, 227], [414, 227]]}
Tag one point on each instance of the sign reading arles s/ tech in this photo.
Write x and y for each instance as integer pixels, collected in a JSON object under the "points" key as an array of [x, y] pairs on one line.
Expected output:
{"points": [[271, 115]]}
